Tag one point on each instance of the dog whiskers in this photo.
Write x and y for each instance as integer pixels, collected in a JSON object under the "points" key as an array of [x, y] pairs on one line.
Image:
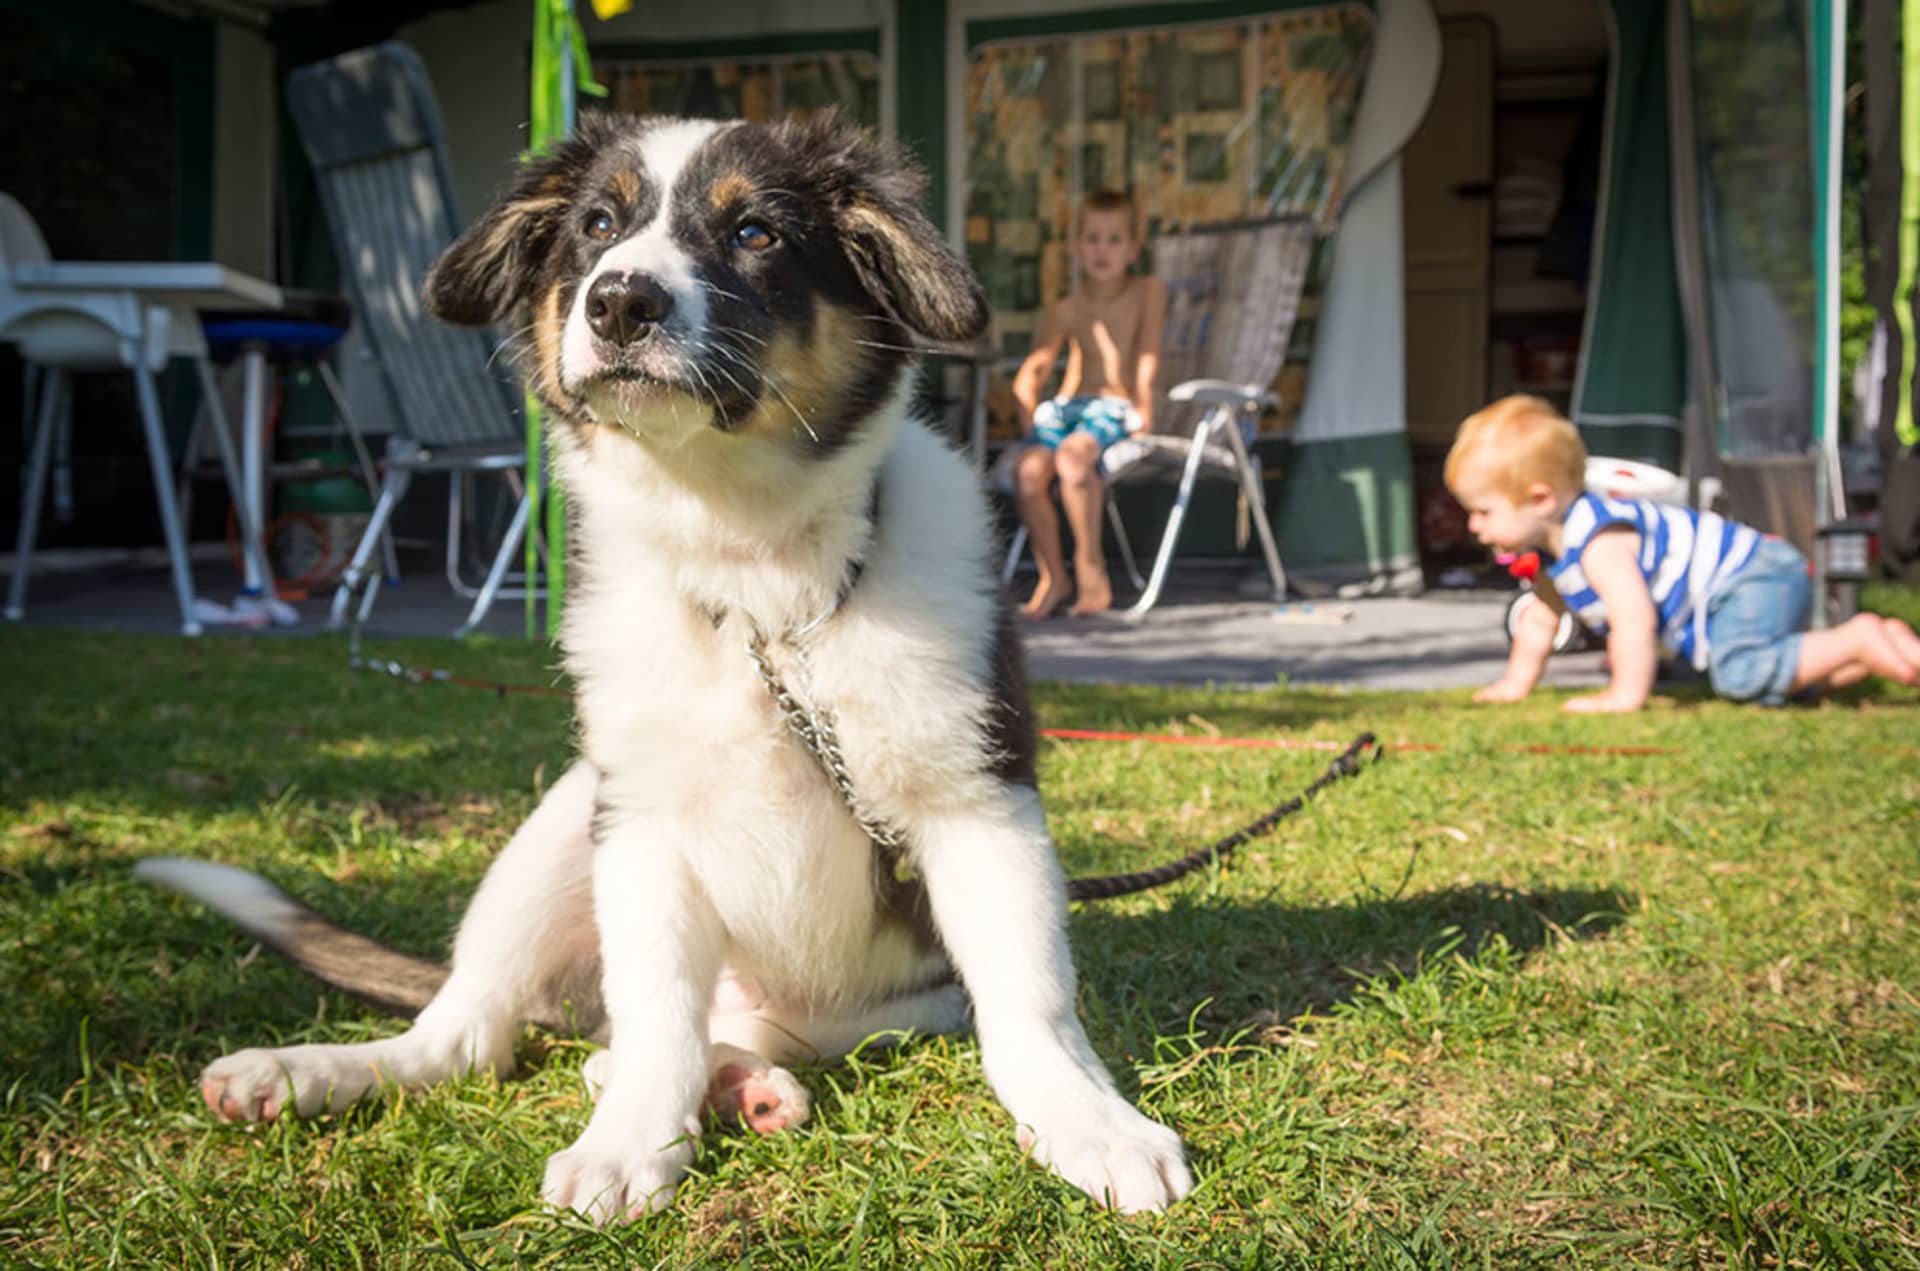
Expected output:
{"points": [[891, 348], [733, 379], [507, 341]]}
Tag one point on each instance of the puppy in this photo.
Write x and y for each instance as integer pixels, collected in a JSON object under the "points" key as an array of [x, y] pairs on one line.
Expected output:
{"points": [[722, 321]]}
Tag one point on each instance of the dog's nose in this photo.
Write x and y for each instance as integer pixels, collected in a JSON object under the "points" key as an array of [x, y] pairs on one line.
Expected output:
{"points": [[623, 307]]}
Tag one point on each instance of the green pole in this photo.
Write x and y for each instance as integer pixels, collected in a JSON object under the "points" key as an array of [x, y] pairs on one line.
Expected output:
{"points": [[560, 68], [1905, 427]]}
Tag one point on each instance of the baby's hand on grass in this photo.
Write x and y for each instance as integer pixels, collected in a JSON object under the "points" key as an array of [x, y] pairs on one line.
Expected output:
{"points": [[1602, 704]]}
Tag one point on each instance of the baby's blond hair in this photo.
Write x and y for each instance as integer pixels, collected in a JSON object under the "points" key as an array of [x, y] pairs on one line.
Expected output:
{"points": [[1518, 441]]}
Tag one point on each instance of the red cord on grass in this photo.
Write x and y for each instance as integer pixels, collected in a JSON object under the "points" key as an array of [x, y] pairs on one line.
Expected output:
{"points": [[1289, 743], [499, 689]]}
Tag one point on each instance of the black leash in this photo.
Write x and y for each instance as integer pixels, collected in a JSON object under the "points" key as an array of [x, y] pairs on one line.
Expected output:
{"points": [[1109, 886], [1102, 887]]}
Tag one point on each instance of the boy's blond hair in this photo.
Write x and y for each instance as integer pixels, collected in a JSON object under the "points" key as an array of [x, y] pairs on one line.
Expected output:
{"points": [[1113, 201], [1520, 440]]}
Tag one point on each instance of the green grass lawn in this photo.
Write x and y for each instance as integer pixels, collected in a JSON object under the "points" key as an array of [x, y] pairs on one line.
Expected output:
{"points": [[1479, 1005]]}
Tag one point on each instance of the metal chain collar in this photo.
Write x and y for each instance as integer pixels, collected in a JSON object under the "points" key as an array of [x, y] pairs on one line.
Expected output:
{"points": [[814, 728]]}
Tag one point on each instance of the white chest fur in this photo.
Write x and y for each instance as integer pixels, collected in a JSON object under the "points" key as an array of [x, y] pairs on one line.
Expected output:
{"points": [[686, 735]]}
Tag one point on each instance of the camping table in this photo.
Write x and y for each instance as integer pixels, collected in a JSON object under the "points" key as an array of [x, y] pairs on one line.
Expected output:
{"points": [[186, 289]]}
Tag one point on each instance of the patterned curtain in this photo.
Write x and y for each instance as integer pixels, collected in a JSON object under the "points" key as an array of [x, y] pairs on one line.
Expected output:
{"points": [[1204, 123]]}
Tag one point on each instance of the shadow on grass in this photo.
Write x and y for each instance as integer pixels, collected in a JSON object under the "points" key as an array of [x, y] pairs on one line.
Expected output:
{"points": [[148, 971], [1257, 960]]}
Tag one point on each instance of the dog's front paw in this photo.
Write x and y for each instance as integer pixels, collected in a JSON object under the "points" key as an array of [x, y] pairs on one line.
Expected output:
{"points": [[259, 1085], [1117, 1156], [614, 1182]]}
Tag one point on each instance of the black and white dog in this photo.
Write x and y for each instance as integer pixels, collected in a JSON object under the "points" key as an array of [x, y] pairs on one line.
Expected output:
{"points": [[720, 320]]}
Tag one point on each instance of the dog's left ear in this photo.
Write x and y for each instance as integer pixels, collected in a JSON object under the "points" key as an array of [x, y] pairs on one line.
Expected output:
{"points": [[492, 267], [904, 263], [495, 265]]}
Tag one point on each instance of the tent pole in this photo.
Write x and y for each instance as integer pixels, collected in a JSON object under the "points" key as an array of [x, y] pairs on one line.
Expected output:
{"points": [[1828, 26], [1701, 463]]}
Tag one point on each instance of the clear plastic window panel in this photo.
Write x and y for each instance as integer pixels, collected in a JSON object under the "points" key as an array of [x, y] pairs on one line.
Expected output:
{"points": [[761, 90]]}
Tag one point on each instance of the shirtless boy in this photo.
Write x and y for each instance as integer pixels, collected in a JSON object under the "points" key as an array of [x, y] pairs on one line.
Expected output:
{"points": [[1112, 325]]}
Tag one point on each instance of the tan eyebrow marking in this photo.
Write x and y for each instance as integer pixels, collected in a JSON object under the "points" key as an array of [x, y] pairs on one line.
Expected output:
{"points": [[626, 186], [729, 189]]}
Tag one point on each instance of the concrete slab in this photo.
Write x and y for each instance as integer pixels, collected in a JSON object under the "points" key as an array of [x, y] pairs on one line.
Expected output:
{"points": [[1439, 640]]}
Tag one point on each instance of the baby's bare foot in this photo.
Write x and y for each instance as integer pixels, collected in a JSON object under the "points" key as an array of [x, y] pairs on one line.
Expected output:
{"points": [[1904, 641]]}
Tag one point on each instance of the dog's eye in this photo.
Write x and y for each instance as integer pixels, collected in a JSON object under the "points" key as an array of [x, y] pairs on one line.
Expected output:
{"points": [[752, 236], [600, 226]]}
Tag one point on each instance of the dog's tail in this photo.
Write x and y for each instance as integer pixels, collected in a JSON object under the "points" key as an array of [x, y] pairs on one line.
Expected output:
{"points": [[357, 965]]}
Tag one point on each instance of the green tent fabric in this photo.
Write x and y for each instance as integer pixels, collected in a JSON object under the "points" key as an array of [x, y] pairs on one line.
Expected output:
{"points": [[1632, 390]]}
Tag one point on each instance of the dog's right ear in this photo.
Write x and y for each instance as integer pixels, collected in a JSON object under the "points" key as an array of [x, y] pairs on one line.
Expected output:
{"points": [[494, 265]]}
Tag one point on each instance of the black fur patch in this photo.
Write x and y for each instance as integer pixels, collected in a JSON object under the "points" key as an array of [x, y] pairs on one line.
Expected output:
{"points": [[1011, 728], [809, 334]]}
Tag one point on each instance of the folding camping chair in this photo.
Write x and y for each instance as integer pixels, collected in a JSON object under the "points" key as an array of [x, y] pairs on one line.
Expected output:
{"points": [[371, 131], [1233, 291]]}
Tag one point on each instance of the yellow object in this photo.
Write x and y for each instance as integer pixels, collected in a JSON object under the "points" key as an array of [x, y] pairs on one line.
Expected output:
{"points": [[604, 9]]}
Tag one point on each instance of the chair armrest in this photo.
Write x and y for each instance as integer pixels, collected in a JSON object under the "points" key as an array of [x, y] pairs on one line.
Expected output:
{"points": [[1223, 393]]}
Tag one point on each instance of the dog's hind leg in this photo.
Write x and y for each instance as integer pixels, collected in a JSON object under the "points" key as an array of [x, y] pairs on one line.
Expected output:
{"points": [[528, 937], [765, 1097], [750, 1041]]}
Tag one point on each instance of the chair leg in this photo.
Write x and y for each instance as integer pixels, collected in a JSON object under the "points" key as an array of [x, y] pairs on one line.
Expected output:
{"points": [[52, 383], [1125, 543], [456, 514], [1015, 546], [490, 589], [252, 538], [1170, 537], [369, 471], [63, 459], [162, 464], [392, 489], [183, 480], [1257, 508], [457, 497]]}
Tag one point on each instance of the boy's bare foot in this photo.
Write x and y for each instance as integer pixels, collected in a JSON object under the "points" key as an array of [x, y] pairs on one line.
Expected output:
{"points": [[1045, 600], [1096, 591], [1884, 645]]}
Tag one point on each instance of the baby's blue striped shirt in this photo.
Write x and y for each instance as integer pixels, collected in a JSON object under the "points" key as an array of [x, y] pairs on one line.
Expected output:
{"points": [[1685, 556]]}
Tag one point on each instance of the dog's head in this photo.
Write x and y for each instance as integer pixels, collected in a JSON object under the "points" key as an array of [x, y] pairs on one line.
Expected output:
{"points": [[684, 276]]}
